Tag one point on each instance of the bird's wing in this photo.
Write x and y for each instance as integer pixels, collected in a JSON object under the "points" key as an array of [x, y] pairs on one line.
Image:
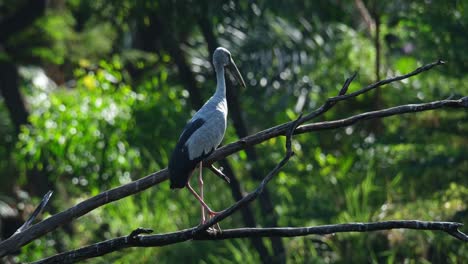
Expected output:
{"points": [[207, 137], [180, 165], [189, 129]]}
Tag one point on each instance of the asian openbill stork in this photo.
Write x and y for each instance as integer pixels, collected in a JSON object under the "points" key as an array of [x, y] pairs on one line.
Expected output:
{"points": [[204, 132]]}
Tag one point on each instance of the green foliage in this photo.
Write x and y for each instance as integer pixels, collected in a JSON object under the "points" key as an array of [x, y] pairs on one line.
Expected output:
{"points": [[80, 134]]}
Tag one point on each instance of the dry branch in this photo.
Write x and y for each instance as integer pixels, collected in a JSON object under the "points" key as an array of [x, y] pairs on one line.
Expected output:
{"points": [[17, 241], [36, 213], [397, 110], [116, 244]]}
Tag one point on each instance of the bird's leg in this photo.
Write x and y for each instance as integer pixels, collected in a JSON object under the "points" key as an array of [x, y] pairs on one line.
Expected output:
{"points": [[200, 182], [200, 199], [210, 212]]}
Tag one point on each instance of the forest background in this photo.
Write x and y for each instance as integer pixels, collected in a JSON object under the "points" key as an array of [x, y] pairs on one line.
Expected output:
{"points": [[95, 94]]}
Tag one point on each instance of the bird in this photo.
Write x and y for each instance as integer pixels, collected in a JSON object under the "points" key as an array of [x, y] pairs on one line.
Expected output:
{"points": [[204, 132]]}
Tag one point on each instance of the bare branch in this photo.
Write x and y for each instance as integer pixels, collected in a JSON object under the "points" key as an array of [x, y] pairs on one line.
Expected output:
{"points": [[115, 244], [348, 81], [390, 80], [219, 173], [36, 212], [397, 110], [281, 129], [331, 101], [17, 241]]}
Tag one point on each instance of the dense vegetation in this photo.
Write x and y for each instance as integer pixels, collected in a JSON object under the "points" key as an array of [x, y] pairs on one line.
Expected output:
{"points": [[95, 94]]}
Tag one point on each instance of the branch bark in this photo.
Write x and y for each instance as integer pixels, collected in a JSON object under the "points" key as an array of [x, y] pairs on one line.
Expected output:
{"points": [[115, 244], [17, 241]]}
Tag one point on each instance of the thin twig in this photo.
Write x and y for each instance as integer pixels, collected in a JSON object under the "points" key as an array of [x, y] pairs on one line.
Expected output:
{"points": [[348, 81], [342, 96], [397, 110], [36, 212], [389, 80], [219, 173], [120, 243]]}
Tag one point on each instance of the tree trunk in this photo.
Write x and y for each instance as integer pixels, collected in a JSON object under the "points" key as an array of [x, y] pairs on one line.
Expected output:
{"points": [[9, 88]]}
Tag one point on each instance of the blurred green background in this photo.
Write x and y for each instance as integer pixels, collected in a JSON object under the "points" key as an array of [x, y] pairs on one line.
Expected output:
{"points": [[95, 94]]}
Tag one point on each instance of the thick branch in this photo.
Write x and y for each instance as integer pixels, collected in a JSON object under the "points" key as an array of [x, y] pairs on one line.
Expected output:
{"points": [[116, 244]]}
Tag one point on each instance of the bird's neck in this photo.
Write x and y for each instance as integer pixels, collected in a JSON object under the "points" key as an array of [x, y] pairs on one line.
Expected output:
{"points": [[220, 83]]}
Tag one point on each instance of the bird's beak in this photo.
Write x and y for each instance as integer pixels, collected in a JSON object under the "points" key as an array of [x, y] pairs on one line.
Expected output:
{"points": [[235, 71]]}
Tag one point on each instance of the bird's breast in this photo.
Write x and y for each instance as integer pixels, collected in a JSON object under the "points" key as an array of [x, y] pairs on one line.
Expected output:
{"points": [[222, 107]]}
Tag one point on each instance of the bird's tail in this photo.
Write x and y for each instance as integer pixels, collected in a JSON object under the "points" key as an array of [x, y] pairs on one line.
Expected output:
{"points": [[177, 182], [179, 175]]}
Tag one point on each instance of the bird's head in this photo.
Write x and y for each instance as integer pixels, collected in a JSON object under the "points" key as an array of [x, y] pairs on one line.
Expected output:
{"points": [[222, 58]]}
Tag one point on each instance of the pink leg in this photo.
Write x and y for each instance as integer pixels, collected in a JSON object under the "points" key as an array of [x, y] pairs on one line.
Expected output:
{"points": [[211, 212], [200, 182], [201, 199]]}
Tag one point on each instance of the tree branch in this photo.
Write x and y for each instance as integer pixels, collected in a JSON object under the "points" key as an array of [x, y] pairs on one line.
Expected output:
{"points": [[397, 110], [115, 244], [219, 173], [36, 212], [281, 129], [17, 241]]}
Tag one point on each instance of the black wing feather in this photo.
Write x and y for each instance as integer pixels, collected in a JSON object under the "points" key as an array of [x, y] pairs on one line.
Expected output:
{"points": [[180, 165]]}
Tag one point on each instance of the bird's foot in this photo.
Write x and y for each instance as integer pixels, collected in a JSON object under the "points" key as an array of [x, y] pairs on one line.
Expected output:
{"points": [[215, 228], [213, 213]]}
